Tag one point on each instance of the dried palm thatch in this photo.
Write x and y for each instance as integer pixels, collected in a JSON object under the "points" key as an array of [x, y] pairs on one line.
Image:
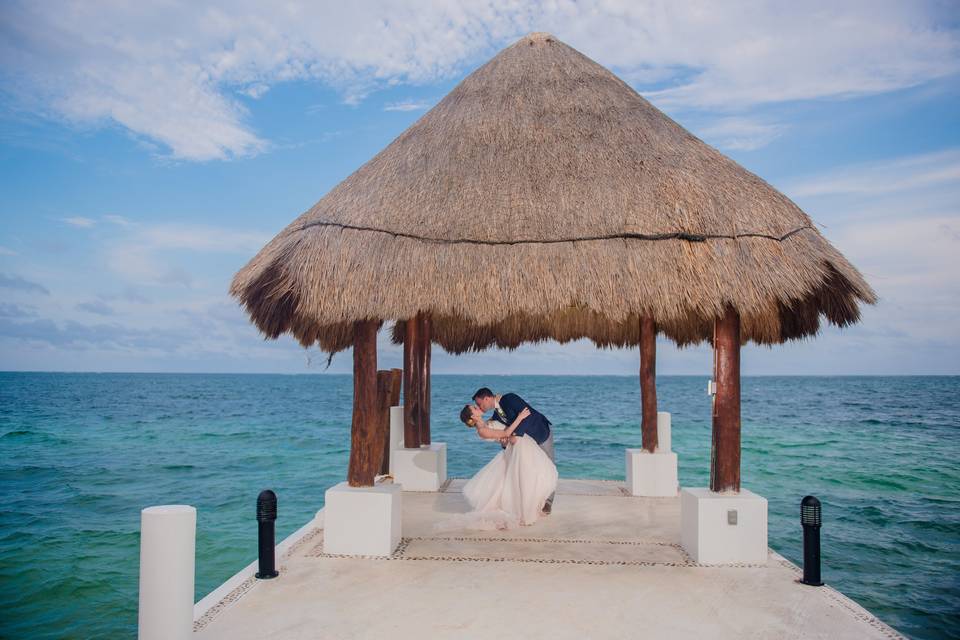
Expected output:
{"points": [[544, 198]]}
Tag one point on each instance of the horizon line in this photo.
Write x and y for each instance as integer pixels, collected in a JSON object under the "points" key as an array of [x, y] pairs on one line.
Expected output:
{"points": [[497, 375]]}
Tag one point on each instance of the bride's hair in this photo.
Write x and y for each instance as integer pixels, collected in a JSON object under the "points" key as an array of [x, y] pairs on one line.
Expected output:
{"points": [[466, 416]]}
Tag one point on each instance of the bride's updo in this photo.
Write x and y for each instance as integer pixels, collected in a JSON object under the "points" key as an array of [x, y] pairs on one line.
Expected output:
{"points": [[466, 416]]}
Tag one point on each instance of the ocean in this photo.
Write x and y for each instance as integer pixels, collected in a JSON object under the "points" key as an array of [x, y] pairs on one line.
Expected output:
{"points": [[82, 454]]}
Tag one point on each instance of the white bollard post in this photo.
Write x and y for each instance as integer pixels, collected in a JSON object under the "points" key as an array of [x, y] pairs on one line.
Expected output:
{"points": [[167, 552], [396, 433], [664, 442]]}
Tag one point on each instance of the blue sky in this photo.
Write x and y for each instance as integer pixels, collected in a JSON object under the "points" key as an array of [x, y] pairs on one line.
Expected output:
{"points": [[147, 152]]}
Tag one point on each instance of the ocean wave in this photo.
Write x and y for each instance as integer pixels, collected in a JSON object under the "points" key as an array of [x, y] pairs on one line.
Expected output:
{"points": [[19, 433]]}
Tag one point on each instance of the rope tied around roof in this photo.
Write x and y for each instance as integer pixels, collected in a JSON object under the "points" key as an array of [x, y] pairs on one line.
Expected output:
{"points": [[678, 235]]}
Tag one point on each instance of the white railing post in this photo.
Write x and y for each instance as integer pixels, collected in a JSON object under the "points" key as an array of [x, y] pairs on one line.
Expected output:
{"points": [[167, 553]]}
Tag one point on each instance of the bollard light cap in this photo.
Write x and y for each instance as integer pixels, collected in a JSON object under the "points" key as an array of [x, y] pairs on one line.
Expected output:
{"points": [[266, 506], [810, 511]]}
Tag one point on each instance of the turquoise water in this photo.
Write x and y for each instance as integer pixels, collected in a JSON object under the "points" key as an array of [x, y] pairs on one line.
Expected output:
{"points": [[81, 454]]}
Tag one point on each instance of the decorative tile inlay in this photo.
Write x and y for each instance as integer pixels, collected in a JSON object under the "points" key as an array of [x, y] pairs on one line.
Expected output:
{"points": [[296, 546], [553, 540], [227, 600], [240, 590], [860, 613], [843, 601], [401, 553]]}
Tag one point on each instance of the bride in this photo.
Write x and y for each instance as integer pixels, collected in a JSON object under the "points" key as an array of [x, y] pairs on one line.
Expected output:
{"points": [[512, 488]]}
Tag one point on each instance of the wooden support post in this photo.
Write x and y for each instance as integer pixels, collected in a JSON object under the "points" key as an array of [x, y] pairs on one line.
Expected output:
{"points": [[725, 454], [365, 443], [411, 395], [648, 383], [423, 373], [388, 395]]}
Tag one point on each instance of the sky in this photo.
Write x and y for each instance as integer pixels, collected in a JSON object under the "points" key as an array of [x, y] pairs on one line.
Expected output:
{"points": [[148, 151]]}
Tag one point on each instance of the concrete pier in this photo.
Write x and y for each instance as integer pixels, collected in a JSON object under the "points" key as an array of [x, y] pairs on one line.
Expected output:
{"points": [[605, 564]]}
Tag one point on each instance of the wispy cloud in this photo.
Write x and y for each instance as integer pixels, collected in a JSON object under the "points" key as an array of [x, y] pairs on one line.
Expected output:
{"points": [[741, 134], [203, 238], [80, 221], [898, 221], [10, 310], [4, 251], [77, 335], [407, 105], [139, 263], [96, 307], [117, 220], [129, 294], [20, 284], [899, 174], [74, 62], [150, 253]]}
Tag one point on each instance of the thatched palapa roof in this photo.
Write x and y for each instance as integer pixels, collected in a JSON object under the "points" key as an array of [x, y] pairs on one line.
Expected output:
{"points": [[544, 198]]}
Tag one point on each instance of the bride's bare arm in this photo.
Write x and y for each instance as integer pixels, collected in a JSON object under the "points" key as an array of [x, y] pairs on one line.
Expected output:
{"points": [[499, 434]]}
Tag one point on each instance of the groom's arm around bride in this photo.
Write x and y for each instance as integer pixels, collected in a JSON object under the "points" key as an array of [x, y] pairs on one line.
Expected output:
{"points": [[536, 425]]}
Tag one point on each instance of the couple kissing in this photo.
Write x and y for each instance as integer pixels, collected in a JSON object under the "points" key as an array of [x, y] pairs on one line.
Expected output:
{"points": [[518, 485]]}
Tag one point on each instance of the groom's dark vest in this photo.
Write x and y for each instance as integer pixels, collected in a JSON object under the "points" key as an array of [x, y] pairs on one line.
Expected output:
{"points": [[536, 425]]}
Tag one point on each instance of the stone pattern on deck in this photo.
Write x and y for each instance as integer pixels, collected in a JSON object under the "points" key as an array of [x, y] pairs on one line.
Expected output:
{"points": [[604, 564]]}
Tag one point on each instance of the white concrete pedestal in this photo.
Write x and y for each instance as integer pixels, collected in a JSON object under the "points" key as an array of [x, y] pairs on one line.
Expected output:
{"points": [[654, 474], [362, 521], [417, 469], [421, 469], [720, 528]]}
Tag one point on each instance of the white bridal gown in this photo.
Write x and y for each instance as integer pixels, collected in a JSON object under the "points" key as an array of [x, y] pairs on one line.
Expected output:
{"points": [[511, 489]]}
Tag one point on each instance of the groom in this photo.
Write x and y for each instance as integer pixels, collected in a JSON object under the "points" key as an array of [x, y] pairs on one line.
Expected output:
{"points": [[505, 410]]}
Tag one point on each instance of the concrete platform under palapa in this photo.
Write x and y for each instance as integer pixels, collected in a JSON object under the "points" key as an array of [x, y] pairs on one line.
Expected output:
{"points": [[603, 565]]}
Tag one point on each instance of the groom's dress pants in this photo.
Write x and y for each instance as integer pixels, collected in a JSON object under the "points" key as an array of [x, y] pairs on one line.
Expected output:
{"points": [[547, 447]]}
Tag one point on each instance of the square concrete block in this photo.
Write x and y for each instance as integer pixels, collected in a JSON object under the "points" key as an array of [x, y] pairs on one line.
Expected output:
{"points": [[421, 469], [362, 521], [652, 474], [718, 528]]}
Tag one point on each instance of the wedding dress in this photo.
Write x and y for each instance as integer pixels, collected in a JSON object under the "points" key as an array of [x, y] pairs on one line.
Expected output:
{"points": [[511, 489]]}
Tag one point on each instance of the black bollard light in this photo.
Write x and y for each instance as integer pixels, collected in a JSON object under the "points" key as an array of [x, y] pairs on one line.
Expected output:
{"points": [[810, 519], [266, 519]]}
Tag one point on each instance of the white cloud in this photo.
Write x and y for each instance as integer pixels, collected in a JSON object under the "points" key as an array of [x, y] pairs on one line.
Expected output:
{"points": [[145, 253], [80, 221], [741, 134], [203, 238], [18, 283], [899, 174], [135, 262], [171, 72], [913, 265], [117, 220], [898, 221], [96, 307], [407, 105], [4, 251]]}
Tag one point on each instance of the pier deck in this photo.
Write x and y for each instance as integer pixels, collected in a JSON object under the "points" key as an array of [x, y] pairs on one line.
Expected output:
{"points": [[603, 565]]}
